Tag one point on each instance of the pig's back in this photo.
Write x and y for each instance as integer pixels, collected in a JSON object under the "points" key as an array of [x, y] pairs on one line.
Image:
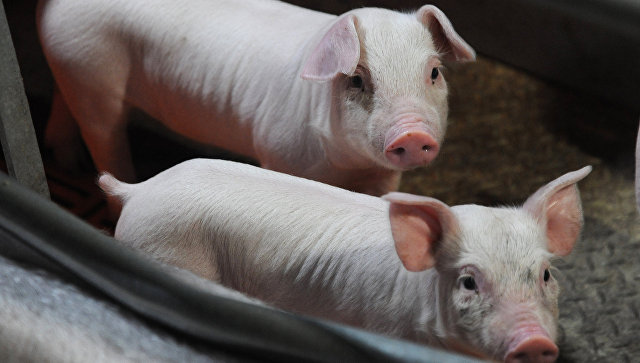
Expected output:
{"points": [[75, 20], [232, 215], [224, 178], [291, 242], [161, 33]]}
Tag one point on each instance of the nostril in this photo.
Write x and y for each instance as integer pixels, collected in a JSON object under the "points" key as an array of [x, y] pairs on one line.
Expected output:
{"points": [[398, 151], [410, 149], [533, 349]]}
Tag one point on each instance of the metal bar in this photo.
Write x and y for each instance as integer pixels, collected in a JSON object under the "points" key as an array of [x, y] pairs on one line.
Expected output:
{"points": [[17, 134]]}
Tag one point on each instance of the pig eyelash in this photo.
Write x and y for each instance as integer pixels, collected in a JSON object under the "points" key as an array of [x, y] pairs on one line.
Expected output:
{"points": [[436, 72], [556, 275], [550, 273], [468, 282], [442, 52], [356, 81], [359, 78], [470, 279]]}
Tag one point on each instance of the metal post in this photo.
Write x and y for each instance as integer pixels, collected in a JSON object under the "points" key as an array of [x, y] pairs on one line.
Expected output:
{"points": [[17, 135]]}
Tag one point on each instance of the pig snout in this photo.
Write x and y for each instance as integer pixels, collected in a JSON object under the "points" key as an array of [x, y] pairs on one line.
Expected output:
{"points": [[410, 144], [532, 345]]}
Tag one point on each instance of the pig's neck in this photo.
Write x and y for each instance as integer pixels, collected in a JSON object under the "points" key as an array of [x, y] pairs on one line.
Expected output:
{"points": [[394, 301], [306, 116], [322, 152], [424, 311], [356, 279], [289, 108], [318, 250]]}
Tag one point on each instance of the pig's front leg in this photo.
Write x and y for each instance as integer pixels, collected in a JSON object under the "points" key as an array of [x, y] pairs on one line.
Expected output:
{"points": [[102, 120], [62, 135]]}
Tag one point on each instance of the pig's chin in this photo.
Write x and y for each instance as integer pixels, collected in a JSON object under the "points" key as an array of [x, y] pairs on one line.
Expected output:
{"points": [[401, 168], [468, 349]]}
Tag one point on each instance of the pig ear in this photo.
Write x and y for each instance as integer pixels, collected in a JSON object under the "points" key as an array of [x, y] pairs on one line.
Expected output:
{"points": [[557, 205], [418, 226], [447, 41], [337, 52]]}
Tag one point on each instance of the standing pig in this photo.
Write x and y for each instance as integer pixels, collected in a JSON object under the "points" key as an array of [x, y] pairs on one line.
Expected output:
{"points": [[350, 100], [468, 278]]}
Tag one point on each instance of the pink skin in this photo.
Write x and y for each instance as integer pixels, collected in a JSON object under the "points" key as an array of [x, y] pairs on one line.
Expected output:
{"points": [[410, 144], [528, 341], [473, 284], [531, 344]]}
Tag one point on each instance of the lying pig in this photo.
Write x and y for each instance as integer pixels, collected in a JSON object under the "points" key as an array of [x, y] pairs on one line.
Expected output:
{"points": [[350, 100], [469, 278]]}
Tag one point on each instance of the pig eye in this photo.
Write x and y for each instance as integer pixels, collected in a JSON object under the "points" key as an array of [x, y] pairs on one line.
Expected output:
{"points": [[469, 283], [434, 75], [546, 275], [356, 82]]}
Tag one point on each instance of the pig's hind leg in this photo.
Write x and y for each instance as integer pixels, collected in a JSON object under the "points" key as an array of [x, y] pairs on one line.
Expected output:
{"points": [[62, 136], [109, 145], [100, 109], [101, 112]]}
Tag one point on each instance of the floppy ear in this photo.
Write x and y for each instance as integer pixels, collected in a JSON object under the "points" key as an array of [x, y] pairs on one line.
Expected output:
{"points": [[445, 38], [558, 207], [418, 226], [338, 52]]}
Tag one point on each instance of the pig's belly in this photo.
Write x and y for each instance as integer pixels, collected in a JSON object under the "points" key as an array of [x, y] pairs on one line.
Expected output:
{"points": [[205, 124]]}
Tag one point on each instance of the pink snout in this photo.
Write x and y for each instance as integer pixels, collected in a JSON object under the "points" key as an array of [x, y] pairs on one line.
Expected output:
{"points": [[412, 149], [535, 349]]}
